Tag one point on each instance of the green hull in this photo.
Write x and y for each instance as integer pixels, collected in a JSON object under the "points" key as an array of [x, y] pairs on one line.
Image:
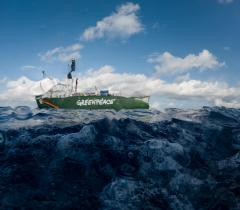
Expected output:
{"points": [[93, 102]]}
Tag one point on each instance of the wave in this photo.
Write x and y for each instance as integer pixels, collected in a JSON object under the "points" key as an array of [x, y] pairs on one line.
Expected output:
{"points": [[139, 159]]}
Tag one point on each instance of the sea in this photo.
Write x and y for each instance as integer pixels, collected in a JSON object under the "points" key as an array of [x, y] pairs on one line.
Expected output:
{"points": [[128, 160]]}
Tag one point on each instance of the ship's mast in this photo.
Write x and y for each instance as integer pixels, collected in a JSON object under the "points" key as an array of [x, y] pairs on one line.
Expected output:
{"points": [[76, 85], [73, 68], [69, 75]]}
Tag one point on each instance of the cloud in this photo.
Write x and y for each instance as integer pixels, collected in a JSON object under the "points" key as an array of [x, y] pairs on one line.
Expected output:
{"points": [[182, 78], [133, 84], [167, 63], [213, 92], [232, 104], [123, 23], [227, 48], [225, 1], [29, 68], [3, 80], [63, 54], [22, 91]]}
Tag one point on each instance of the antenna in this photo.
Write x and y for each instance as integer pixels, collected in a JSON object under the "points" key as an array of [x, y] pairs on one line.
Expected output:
{"points": [[44, 74], [76, 85], [73, 65]]}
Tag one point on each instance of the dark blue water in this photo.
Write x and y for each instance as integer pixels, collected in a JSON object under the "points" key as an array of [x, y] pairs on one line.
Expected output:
{"points": [[179, 159]]}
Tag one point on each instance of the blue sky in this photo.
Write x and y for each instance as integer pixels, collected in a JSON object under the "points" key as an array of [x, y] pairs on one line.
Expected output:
{"points": [[30, 29]]}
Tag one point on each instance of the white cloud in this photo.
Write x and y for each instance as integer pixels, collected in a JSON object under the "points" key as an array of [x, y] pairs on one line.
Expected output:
{"points": [[29, 68], [225, 1], [167, 63], [3, 80], [132, 84], [182, 78], [63, 54], [121, 24], [232, 104], [227, 48], [22, 91]]}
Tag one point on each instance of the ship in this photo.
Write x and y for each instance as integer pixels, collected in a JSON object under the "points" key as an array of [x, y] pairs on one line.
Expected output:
{"points": [[66, 96]]}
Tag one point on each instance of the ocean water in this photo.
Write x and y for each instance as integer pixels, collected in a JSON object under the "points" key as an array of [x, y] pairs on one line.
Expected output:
{"points": [[127, 160]]}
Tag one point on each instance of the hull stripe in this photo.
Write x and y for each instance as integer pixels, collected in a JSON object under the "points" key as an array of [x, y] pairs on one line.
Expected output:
{"points": [[50, 104]]}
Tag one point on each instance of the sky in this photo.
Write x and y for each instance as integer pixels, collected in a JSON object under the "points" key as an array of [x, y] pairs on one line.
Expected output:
{"points": [[182, 53]]}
